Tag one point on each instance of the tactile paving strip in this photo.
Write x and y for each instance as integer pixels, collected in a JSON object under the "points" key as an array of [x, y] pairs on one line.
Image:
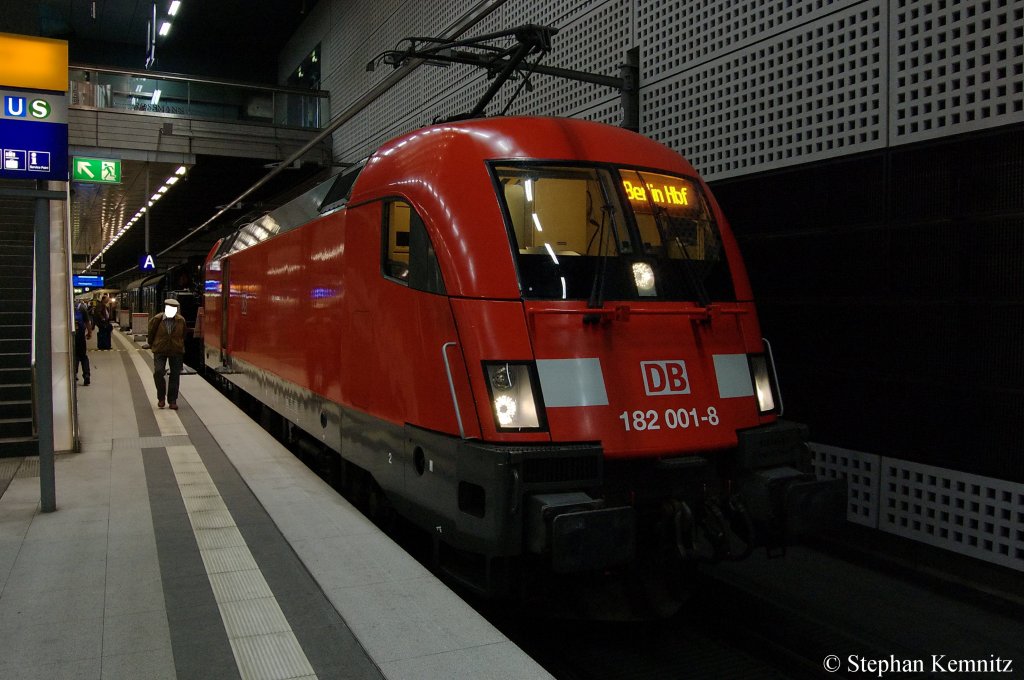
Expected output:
{"points": [[151, 442]]}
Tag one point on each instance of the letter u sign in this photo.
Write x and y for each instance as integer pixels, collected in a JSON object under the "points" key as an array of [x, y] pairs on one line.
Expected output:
{"points": [[14, 106], [665, 377]]}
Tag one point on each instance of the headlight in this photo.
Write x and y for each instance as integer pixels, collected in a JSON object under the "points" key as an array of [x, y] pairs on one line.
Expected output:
{"points": [[512, 396], [643, 276], [763, 383], [505, 408]]}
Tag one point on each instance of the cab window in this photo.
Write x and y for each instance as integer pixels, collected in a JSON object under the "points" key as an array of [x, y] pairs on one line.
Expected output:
{"points": [[408, 254]]}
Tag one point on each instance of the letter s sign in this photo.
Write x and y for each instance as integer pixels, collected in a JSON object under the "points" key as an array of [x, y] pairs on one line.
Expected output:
{"points": [[39, 108], [665, 377]]}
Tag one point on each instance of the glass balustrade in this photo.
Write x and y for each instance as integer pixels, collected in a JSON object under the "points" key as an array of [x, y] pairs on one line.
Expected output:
{"points": [[197, 98]]}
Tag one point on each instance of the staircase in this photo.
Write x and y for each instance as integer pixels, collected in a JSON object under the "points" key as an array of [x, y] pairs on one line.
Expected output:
{"points": [[17, 428]]}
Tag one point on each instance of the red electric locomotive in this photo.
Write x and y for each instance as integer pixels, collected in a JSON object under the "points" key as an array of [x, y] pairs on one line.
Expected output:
{"points": [[535, 335]]}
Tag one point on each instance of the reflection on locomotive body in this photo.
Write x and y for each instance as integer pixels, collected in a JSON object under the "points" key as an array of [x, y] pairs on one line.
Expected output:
{"points": [[532, 337]]}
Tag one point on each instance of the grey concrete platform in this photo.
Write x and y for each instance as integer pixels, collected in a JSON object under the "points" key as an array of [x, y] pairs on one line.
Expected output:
{"points": [[190, 544]]}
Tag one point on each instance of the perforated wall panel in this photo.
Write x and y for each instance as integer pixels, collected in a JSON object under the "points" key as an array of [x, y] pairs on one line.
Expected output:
{"points": [[861, 472], [973, 515], [811, 91], [957, 65], [592, 37], [681, 33], [977, 516]]}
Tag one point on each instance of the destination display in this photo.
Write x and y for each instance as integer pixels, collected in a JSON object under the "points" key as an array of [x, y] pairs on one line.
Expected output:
{"points": [[661, 190]]}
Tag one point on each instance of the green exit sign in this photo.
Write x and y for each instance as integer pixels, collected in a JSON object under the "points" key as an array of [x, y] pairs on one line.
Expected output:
{"points": [[105, 170]]}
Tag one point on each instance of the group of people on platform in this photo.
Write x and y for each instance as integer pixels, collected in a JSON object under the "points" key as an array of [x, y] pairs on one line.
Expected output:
{"points": [[166, 337], [93, 314]]}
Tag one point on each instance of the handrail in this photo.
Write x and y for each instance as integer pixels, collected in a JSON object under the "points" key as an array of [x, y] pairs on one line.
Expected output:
{"points": [[451, 386], [158, 75]]}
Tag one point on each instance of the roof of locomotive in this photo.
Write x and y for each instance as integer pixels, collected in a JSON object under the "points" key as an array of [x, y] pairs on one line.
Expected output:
{"points": [[520, 138], [443, 171]]}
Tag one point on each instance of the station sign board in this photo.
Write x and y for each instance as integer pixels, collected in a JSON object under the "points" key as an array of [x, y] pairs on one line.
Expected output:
{"points": [[33, 135], [34, 113], [86, 281], [99, 170], [147, 263]]}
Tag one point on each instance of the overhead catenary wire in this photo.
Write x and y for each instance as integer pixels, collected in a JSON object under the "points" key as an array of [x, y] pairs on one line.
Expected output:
{"points": [[471, 18]]}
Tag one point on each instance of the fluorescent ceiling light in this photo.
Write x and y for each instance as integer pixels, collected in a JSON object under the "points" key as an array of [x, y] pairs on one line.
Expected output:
{"points": [[165, 28], [175, 5], [173, 179], [180, 170], [156, 97]]}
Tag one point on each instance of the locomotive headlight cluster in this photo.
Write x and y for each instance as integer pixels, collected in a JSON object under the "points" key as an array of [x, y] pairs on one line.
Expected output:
{"points": [[512, 396]]}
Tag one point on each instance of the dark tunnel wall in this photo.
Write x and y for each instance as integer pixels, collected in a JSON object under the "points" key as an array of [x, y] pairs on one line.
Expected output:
{"points": [[891, 285]]}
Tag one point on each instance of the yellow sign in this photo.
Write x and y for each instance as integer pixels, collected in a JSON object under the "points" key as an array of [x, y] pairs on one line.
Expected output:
{"points": [[35, 63], [663, 190]]}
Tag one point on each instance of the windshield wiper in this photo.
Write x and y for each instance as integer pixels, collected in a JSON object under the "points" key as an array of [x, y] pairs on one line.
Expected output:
{"points": [[666, 222], [596, 300]]}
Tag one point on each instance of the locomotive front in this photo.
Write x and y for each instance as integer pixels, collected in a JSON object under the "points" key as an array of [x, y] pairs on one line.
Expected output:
{"points": [[625, 401]]}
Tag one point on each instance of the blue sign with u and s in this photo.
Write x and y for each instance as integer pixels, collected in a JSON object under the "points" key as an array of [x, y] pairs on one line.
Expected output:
{"points": [[33, 117], [33, 135]]}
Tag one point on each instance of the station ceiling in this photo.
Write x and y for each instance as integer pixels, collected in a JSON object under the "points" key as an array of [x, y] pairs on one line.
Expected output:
{"points": [[213, 182], [218, 38], [228, 39]]}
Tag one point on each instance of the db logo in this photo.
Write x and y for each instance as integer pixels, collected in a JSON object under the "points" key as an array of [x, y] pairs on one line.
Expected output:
{"points": [[665, 377]]}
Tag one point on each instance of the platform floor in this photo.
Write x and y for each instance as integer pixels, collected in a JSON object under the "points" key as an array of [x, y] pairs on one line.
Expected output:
{"points": [[190, 544]]}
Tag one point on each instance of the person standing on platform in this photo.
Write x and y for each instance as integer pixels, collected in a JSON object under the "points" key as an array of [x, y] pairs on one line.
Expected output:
{"points": [[103, 324], [167, 340], [83, 331]]}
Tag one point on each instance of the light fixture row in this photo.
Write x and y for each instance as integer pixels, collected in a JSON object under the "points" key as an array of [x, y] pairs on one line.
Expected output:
{"points": [[164, 188]]}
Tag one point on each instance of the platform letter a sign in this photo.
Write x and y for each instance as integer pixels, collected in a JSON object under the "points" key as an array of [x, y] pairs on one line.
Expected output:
{"points": [[147, 263]]}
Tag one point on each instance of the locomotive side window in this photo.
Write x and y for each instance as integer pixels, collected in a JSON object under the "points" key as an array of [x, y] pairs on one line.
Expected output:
{"points": [[341, 189], [603, 233], [408, 254]]}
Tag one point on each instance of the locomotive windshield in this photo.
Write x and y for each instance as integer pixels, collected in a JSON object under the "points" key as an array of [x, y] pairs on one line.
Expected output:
{"points": [[605, 233]]}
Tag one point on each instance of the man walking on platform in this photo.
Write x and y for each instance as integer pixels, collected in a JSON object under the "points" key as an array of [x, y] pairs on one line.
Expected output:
{"points": [[83, 331], [167, 341]]}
